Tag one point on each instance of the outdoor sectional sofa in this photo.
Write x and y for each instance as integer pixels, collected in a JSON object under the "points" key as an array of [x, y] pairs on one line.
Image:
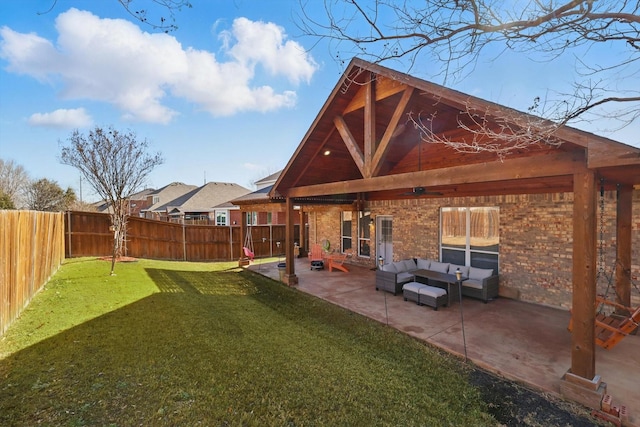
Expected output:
{"points": [[480, 283]]}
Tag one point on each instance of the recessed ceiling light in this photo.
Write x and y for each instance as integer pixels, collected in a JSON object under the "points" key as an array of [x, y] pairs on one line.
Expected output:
{"points": [[327, 152]]}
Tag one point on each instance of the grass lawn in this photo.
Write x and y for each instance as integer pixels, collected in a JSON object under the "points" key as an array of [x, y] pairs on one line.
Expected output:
{"points": [[172, 343]]}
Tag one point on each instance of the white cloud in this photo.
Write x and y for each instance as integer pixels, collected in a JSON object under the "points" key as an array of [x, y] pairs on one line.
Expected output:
{"points": [[114, 61], [66, 119]]}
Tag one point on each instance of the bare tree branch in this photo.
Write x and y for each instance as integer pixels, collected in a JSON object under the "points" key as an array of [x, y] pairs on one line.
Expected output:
{"points": [[455, 34]]}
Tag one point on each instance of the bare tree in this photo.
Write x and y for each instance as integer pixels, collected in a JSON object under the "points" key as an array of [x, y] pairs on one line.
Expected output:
{"points": [[116, 165], [45, 195], [158, 14], [455, 34], [13, 181]]}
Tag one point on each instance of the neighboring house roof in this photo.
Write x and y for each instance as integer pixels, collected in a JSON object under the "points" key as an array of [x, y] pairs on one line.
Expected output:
{"points": [[103, 206], [167, 193], [268, 180], [261, 195], [205, 198]]}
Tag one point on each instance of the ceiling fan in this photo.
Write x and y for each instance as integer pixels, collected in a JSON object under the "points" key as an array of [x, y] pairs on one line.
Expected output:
{"points": [[421, 191]]}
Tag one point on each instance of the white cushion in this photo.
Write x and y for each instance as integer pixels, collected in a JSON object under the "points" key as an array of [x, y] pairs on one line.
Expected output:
{"points": [[480, 273], [413, 286], [432, 291], [423, 264], [409, 264], [442, 267]]}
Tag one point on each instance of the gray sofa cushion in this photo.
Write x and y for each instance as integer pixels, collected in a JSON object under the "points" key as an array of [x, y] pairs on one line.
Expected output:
{"points": [[473, 283], [479, 273], [463, 269], [432, 291], [442, 267], [404, 277], [390, 268], [399, 266], [423, 264], [409, 265]]}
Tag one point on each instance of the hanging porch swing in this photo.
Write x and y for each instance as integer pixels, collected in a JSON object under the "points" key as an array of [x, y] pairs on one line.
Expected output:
{"points": [[611, 327]]}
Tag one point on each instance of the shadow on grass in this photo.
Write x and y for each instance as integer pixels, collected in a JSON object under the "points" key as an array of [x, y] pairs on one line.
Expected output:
{"points": [[231, 348]]}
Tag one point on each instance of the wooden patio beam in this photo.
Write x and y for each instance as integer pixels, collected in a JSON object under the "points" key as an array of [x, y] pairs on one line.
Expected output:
{"points": [[583, 351], [624, 213], [382, 148], [350, 142], [552, 164], [369, 125]]}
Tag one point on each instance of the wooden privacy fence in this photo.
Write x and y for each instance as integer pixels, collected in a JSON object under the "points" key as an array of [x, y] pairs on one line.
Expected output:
{"points": [[31, 250], [87, 234]]}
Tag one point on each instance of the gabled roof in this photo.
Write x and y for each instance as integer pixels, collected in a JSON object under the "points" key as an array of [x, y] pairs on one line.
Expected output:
{"points": [[167, 193], [268, 180], [205, 198], [363, 145]]}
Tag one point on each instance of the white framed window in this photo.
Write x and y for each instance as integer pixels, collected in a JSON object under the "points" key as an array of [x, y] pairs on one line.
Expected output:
{"points": [[346, 240], [221, 218], [470, 236], [364, 234], [252, 218]]}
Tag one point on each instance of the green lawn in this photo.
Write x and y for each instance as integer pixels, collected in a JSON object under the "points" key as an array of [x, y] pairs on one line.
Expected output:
{"points": [[172, 343]]}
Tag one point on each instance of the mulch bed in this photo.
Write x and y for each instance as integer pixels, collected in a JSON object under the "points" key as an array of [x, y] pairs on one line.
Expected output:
{"points": [[514, 404]]}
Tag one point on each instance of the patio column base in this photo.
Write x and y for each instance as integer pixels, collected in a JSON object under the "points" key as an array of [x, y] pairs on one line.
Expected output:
{"points": [[586, 392], [290, 280]]}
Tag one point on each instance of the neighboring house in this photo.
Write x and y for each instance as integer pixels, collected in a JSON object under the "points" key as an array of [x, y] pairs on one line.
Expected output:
{"points": [[136, 203], [157, 199], [263, 216], [370, 180], [203, 205]]}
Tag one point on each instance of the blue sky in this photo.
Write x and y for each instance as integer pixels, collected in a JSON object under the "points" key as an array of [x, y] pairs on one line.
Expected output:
{"points": [[226, 97]]}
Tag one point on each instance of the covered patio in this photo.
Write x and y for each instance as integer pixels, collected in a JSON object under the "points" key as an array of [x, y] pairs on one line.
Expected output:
{"points": [[392, 160], [525, 342]]}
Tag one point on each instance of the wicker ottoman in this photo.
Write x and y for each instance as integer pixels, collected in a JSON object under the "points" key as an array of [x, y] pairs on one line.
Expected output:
{"points": [[432, 296], [410, 291]]}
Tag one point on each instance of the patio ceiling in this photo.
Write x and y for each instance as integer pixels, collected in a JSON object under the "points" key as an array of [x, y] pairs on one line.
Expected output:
{"points": [[363, 145]]}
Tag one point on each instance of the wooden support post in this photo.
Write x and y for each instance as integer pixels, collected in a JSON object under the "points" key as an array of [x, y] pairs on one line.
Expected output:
{"points": [[369, 124], [290, 277], [623, 247], [583, 345], [303, 248]]}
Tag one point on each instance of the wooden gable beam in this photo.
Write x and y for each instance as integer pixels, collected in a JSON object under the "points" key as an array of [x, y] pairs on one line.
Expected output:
{"points": [[381, 151], [552, 164], [369, 125], [350, 142], [384, 89]]}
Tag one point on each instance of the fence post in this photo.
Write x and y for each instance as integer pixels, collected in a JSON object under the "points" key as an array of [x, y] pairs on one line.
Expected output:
{"points": [[184, 242], [230, 243], [68, 231], [270, 241]]}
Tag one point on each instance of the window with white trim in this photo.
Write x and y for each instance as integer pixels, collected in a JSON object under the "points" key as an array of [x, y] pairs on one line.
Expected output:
{"points": [[470, 236], [364, 234], [221, 218], [345, 226]]}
